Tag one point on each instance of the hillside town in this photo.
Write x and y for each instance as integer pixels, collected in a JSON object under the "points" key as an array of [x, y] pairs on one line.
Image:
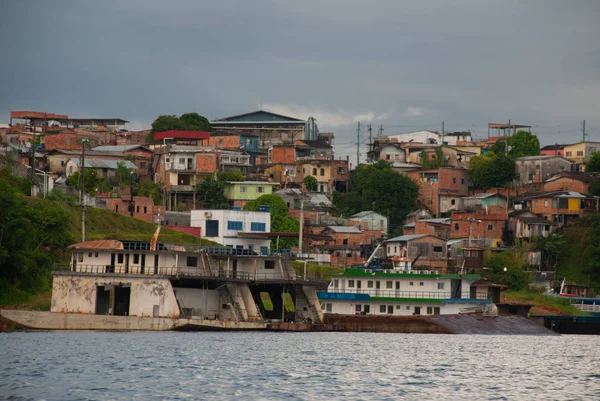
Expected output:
{"points": [[202, 182]]}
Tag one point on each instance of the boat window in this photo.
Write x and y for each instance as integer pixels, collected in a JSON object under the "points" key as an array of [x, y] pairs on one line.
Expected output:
{"points": [[89, 255], [407, 307], [336, 283], [390, 309], [120, 258], [388, 284], [421, 284], [440, 286], [412, 283], [430, 310], [136, 258], [436, 310], [358, 308], [370, 284], [328, 307], [80, 256], [367, 308], [382, 308], [350, 283]]}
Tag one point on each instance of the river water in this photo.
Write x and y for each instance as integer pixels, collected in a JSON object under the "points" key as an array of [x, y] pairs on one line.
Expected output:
{"points": [[296, 366]]}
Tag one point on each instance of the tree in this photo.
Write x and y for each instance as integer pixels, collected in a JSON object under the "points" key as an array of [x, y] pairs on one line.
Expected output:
{"points": [[150, 189], [124, 174], [211, 193], [91, 181], [507, 268], [593, 165], [167, 123], [491, 170], [380, 188], [195, 122], [523, 144], [280, 222], [592, 241], [231, 175], [311, 183], [550, 247]]}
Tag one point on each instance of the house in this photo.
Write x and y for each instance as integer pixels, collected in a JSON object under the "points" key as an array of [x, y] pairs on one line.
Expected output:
{"points": [[433, 137], [571, 181], [485, 226], [132, 137], [104, 167], [370, 221], [417, 215], [438, 227], [537, 169], [349, 246], [57, 159], [229, 140], [227, 226], [483, 200], [440, 189], [272, 129], [420, 249], [180, 137], [560, 207], [313, 150], [71, 140], [525, 225], [140, 155], [581, 152], [241, 192], [140, 207], [179, 168], [553, 150]]}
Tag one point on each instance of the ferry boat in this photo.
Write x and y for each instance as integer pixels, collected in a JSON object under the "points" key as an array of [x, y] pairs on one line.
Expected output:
{"points": [[403, 291], [133, 285]]}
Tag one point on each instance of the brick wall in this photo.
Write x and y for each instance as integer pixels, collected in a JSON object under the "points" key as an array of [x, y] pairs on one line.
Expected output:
{"points": [[143, 207], [488, 225], [283, 155], [567, 184], [206, 162], [69, 141], [225, 142]]}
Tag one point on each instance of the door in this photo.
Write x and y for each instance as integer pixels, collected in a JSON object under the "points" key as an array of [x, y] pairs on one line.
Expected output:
{"points": [[143, 264], [397, 288], [377, 287], [358, 286], [417, 310], [212, 228], [111, 268], [126, 263], [155, 264], [234, 268]]}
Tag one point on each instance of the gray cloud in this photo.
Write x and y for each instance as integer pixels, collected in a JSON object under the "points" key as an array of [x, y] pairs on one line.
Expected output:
{"points": [[407, 66]]}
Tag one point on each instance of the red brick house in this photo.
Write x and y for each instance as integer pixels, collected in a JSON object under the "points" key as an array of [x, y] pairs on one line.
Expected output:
{"points": [[483, 226], [441, 189]]}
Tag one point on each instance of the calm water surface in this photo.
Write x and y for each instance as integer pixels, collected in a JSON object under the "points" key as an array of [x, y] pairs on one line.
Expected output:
{"points": [[294, 366]]}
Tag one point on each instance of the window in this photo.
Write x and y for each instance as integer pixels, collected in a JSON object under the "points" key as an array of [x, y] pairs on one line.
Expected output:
{"points": [[314, 171], [421, 284], [462, 180], [580, 153], [262, 227], [96, 254], [382, 308], [336, 283], [367, 309], [568, 154], [436, 310], [535, 202], [68, 141], [358, 284], [430, 310], [120, 258], [407, 307], [490, 227], [390, 309], [260, 190], [62, 163], [322, 172], [264, 250], [350, 283], [370, 284], [454, 180], [192, 261], [137, 209], [358, 308], [397, 285], [545, 203], [182, 160], [145, 209], [328, 307], [235, 225], [387, 157], [453, 202], [89, 255], [440, 286], [456, 227], [388, 284], [143, 165], [412, 283], [345, 241], [340, 170], [243, 188], [269, 264], [136, 258], [438, 249]]}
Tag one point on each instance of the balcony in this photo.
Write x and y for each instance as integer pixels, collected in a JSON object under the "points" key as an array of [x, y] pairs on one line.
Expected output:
{"points": [[483, 295], [182, 188]]}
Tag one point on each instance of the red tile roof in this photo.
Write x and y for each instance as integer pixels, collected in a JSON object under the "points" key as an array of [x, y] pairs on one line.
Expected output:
{"points": [[180, 134]]}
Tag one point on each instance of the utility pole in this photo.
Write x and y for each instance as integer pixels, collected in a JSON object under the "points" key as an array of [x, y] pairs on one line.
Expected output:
{"points": [[82, 191], [358, 144], [583, 129], [370, 138], [380, 131], [301, 223], [442, 133]]}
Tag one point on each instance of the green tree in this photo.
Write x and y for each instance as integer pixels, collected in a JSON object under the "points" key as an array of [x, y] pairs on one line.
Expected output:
{"points": [[593, 165], [280, 222], [211, 193], [311, 183], [195, 122], [91, 181], [550, 247], [379, 187], [234, 175], [491, 170], [124, 174], [167, 123], [150, 189], [592, 241], [508, 268]]}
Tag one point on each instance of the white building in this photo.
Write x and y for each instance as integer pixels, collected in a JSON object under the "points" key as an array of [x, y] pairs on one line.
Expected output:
{"points": [[223, 226], [433, 137]]}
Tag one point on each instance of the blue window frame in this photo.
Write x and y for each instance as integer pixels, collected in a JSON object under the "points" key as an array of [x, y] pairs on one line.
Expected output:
{"points": [[235, 225], [262, 227]]}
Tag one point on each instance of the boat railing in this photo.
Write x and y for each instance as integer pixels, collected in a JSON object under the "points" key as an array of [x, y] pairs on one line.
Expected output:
{"points": [[408, 294], [594, 308], [176, 271]]}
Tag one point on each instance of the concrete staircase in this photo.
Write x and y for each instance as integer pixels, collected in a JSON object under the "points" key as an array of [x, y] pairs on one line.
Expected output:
{"points": [[225, 294]]}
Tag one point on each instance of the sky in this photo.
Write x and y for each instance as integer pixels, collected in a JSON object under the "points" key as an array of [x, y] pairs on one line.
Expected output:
{"points": [[406, 66]]}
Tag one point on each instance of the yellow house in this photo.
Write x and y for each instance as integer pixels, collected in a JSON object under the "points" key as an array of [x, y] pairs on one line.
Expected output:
{"points": [[581, 152]]}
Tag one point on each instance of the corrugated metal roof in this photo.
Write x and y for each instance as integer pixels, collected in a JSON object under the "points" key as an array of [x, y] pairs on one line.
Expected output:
{"points": [[441, 220], [98, 244], [117, 148], [103, 163], [345, 229], [407, 237]]}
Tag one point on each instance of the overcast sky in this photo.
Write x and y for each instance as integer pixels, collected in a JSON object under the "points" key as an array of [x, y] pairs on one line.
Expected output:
{"points": [[406, 65]]}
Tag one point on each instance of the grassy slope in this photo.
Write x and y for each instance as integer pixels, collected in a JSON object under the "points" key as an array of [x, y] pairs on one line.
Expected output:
{"points": [[543, 304], [573, 258]]}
